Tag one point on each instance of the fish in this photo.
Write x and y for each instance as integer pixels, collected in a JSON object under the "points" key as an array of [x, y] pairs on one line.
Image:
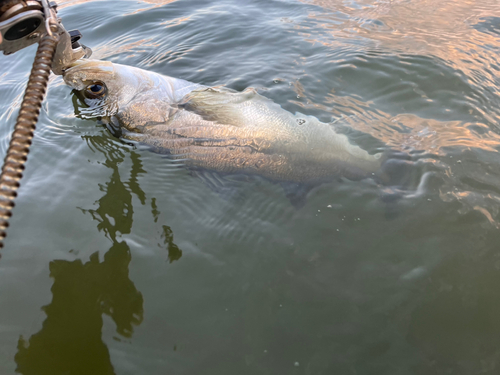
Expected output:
{"points": [[218, 129]]}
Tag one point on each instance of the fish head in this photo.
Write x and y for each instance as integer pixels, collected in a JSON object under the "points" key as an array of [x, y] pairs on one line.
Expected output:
{"points": [[123, 95]]}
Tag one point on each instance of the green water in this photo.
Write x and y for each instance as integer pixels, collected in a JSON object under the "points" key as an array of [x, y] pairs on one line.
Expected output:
{"points": [[118, 261]]}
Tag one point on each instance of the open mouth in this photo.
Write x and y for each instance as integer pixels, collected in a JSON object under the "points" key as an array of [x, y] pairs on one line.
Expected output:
{"points": [[74, 64], [89, 65]]}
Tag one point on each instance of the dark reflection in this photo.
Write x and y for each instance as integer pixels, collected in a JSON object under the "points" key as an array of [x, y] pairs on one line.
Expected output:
{"points": [[70, 341], [174, 253], [115, 211]]}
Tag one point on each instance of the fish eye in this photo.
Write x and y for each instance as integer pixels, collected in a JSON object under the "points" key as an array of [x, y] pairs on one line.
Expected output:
{"points": [[96, 90]]}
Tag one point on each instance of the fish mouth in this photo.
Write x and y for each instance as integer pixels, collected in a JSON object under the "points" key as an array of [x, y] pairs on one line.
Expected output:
{"points": [[88, 65], [74, 64]]}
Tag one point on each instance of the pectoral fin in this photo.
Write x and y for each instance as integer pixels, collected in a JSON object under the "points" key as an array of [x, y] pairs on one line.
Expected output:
{"points": [[221, 105]]}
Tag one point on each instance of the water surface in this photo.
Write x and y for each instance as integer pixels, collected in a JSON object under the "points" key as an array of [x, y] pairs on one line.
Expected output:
{"points": [[118, 261]]}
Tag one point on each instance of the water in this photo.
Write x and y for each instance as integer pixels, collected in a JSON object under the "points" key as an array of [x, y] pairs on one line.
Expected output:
{"points": [[117, 261]]}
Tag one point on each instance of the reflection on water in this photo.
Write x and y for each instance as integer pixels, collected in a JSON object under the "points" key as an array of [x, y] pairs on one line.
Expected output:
{"points": [[421, 77], [174, 253], [70, 341], [115, 211], [452, 32]]}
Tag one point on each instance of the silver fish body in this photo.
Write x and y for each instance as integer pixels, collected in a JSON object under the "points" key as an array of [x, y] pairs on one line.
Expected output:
{"points": [[219, 129]]}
